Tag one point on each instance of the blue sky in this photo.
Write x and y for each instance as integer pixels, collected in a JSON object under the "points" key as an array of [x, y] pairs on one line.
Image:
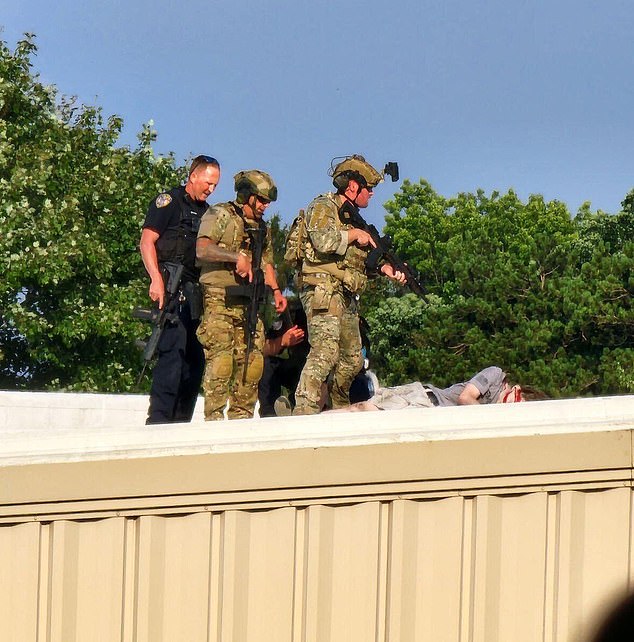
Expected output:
{"points": [[532, 95]]}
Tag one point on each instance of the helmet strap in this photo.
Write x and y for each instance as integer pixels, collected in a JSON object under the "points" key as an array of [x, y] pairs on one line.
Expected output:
{"points": [[248, 203]]}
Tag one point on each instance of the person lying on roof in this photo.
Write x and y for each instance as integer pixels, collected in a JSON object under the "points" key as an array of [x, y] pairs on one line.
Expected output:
{"points": [[487, 386]]}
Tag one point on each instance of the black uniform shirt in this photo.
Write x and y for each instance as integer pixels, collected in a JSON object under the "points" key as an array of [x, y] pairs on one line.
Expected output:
{"points": [[168, 213]]}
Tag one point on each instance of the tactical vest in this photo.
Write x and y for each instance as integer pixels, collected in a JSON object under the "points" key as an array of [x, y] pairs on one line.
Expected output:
{"points": [[296, 242], [178, 244], [349, 269], [234, 237]]}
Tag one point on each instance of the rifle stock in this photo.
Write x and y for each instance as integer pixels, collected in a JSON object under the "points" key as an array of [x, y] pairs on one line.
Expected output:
{"points": [[160, 317]]}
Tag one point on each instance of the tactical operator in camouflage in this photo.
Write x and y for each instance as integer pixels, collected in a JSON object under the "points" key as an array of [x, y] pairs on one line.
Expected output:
{"points": [[333, 275], [169, 240], [224, 250]]}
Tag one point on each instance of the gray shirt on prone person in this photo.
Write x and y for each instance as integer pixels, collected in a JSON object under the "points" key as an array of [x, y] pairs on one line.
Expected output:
{"points": [[489, 383]]}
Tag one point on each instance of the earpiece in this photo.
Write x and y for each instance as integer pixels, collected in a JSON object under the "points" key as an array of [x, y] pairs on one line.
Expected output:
{"points": [[341, 181]]}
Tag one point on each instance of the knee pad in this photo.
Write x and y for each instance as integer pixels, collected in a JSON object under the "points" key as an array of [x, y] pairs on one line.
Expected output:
{"points": [[255, 369], [221, 366]]}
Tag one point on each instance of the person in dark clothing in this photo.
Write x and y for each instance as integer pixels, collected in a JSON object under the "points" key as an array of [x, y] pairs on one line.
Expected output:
{"points": [[168, 239], [285, 351], [364, 384]]}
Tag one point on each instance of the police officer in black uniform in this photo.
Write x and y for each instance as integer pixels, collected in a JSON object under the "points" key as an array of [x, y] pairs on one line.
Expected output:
{"points": [[168, 238]]}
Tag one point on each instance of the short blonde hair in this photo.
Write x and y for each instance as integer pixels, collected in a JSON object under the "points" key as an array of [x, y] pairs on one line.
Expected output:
{"points": [[201, 160]]}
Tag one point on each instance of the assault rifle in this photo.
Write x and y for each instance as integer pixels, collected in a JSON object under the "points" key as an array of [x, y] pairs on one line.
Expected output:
{"points": [[159, 317], [383, 250], [253, 292]]}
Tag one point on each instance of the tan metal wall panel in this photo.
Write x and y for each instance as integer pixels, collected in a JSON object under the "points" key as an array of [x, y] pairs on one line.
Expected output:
{"points": [[424, 595], [509, 548], [85, 581], [173, 578], [594, 548], [19, 581], [342, 573], [528, 567], [257, 568]]}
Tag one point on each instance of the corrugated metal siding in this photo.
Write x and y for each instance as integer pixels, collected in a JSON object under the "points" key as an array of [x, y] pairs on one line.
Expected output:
{"points": [[497, 524], [171, 561], [527, 568], [19, 581]]}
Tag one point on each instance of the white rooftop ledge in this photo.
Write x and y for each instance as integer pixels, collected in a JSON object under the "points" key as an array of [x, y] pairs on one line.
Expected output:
{"points": [[63, 427]]}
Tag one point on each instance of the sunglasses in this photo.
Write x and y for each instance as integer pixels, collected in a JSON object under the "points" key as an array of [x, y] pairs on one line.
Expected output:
{"points": [[363, 184], [261, 199], [203, 159]]}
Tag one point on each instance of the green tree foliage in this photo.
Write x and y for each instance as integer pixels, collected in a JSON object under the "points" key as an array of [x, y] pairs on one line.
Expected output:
{"points": [[521, 285], [71, 208], [279, 231]]}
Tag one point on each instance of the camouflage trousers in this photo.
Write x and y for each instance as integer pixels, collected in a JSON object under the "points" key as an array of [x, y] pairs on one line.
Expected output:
{"points": [[222, 336], [335, 348]]}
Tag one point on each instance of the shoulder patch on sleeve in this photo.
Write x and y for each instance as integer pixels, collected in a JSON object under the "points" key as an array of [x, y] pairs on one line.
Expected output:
{"points": [[162, 200]]}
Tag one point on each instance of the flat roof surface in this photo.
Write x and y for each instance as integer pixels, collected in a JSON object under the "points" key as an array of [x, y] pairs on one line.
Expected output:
{"points": [[60, 427]]}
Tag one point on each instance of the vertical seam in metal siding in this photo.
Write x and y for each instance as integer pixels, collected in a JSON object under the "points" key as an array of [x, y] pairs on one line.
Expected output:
{"points": [[630, 579], [128, 602], [383, 563], [43, 584], [467, 579], [299, 577]]}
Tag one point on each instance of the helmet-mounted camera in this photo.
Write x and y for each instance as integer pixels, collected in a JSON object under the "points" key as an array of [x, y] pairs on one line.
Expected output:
{"points": [[391, 170]]}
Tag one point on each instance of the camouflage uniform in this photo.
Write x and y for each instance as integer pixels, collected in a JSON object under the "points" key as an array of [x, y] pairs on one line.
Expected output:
{"points": [[333, 276], [222, 331]]}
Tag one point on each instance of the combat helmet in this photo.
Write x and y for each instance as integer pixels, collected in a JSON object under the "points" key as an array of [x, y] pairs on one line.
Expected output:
{"points": [[254, 181], [354, 167]]}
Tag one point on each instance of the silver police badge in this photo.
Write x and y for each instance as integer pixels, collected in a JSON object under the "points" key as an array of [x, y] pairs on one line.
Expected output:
{"points": [[163, 199]]}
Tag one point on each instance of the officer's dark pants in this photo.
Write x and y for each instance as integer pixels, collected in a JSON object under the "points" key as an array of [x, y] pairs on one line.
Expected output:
{"points": [[177, 373], [277, 373]]}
